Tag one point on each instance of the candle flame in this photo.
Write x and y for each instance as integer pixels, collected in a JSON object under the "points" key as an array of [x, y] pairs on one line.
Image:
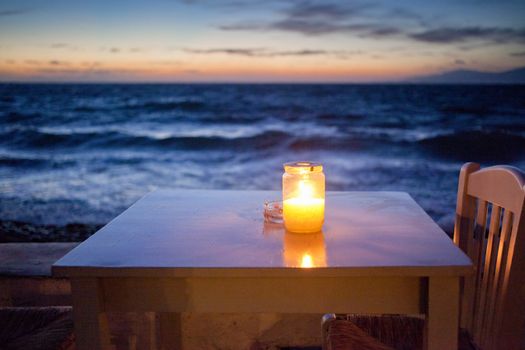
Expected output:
{"points": [[307, 261], [305, 189]]}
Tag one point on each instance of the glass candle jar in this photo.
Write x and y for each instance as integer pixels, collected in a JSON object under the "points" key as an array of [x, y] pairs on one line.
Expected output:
{"points": [[303, 197]]}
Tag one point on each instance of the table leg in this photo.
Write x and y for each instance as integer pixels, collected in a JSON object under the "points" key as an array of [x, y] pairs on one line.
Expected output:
{"points": [[170, 330], [91, 324], [443, 313]]}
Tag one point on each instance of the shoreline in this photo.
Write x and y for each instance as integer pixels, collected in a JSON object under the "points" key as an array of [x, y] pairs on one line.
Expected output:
{"points": [[12, 231]]}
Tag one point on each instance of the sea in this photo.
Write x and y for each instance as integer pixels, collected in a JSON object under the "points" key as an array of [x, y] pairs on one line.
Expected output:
{"points": [[82, 153]]}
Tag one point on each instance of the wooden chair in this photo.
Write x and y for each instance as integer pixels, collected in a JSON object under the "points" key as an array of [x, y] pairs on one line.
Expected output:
{"points": [[490, 229]]}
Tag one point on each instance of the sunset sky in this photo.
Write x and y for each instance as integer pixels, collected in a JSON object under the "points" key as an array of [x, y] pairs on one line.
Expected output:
{"points": [[244, 41]]}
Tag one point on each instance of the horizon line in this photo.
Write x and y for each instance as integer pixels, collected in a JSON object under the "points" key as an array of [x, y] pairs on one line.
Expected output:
{"points": [[413, 79], [233, 82]]}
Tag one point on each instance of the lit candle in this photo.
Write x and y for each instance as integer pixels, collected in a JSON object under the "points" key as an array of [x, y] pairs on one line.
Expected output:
{"points": [[303, 197]]}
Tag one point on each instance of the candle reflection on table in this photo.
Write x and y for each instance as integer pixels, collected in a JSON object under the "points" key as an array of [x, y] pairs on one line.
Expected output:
{"points": [[304, 250]]}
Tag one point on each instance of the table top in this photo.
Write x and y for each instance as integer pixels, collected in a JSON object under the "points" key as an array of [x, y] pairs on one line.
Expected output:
{"points": [[221, 233]]}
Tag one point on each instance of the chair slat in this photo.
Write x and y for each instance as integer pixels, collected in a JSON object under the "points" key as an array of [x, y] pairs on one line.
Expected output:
{"points": [[500, 266], [477, 258], [485, 277], [511, 305], [490, 268]]}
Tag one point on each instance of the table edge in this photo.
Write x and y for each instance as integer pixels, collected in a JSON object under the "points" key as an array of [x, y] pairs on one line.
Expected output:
{"points": [[216, 272]]}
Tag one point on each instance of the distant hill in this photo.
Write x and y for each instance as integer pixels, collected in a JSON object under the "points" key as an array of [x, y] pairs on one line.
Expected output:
{"points": [[465, 76]]}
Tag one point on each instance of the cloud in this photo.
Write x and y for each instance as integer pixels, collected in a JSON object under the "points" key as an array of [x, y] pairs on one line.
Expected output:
{"points": [[313, 52], [309, 27], [370, 20], [316, 18], [243, 26], [13, 12], [450, 35], [376, 31], [59, 45], [57, 63], [318, 27], [113, 49], [308, 53], [233, 4], [517, 54], [116, 49], [332, 11], [459, 62], [445, 35], [262, 52], [238, 52], [63, 46], [85, 72]]}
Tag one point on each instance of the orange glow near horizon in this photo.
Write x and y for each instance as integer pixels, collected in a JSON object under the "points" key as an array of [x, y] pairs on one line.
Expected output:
{"points": [[238, 70]]}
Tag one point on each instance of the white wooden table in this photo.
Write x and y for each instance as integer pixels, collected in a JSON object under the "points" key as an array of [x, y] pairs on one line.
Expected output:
{"points": [[210, 251]]}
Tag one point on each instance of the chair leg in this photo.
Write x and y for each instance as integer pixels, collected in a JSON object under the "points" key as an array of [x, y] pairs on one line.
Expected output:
{"points": [[170, 330], [91, 323], [442, 315], [325, 322]]}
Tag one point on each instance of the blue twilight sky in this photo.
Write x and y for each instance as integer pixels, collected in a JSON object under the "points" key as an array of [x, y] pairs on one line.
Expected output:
{"points": [[239, 40]]}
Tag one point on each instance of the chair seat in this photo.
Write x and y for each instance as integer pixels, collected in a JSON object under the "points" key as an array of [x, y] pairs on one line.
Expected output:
{"points": [[379, 332], [37, 328]]}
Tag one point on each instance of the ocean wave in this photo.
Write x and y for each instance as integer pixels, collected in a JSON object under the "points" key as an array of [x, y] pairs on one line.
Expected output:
{"points": [[264, 140], [199, 119], [16, 117], [25, 162], [227, 119], [34, 138], [160, 106], [481, 110], [340, 118], [146, 106], [352, 140], [477, 145], [153, 131], [32, 161], [475, 110], [89, 109]]}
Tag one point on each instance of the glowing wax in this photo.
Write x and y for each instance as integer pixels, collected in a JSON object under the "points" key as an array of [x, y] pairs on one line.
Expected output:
{"points": [[304, 213]]}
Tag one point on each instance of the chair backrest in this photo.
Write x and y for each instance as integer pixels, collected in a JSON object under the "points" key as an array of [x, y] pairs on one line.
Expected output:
{"points": [[490, 229]]}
